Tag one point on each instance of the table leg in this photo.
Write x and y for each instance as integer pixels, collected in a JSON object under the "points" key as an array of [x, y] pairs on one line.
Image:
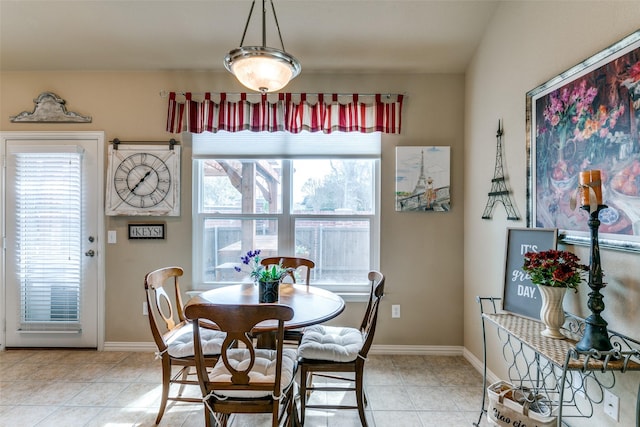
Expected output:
{"points": [[266, 340]]}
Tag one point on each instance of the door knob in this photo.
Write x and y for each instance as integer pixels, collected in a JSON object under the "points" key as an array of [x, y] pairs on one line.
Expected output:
{"points": [[90, 252]]}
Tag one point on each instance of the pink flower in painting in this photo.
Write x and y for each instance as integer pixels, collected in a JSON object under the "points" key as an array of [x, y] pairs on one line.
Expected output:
{"points": [[600, 123], [569, 105], [632, 82], [634, 72]]}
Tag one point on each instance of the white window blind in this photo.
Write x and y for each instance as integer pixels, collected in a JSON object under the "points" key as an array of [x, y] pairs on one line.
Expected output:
{"points": [[286, 145], [48, 195]]}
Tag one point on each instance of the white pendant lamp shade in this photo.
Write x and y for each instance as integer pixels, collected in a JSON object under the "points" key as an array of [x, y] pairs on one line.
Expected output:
{"points": [[262, 69]]}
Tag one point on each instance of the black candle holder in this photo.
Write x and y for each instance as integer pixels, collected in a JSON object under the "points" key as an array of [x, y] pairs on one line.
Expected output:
{"points": [[596, 335]]}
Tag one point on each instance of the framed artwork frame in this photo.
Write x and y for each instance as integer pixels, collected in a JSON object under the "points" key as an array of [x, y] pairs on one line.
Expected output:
{"points": [[587, 118], [423, 179], [520, 295]]}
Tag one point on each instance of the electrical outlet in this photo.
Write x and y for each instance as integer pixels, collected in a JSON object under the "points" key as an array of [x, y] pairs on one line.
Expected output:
{"points": [[611, 405], [395, 311], [145, 309]]}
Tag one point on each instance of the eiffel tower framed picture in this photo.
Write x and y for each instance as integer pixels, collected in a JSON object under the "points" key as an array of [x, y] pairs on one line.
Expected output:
{"points": [[586, 119], [423, 176]]}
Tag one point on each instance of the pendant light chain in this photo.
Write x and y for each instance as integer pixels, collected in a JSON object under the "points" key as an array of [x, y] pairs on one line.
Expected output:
{"points": [[264, 24], [262, 68], [246, 26], [275, 17]]}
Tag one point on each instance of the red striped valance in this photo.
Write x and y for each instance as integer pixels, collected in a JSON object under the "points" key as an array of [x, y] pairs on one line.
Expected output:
{"points": [[285, 112]]}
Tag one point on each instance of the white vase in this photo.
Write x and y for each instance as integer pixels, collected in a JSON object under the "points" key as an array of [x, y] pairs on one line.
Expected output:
{"points": [[552, 312]]}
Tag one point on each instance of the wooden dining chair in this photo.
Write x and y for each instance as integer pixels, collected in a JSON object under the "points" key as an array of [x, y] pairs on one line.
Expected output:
{"points": [[246, 379], [325, 350], [301, 267], [173, 335]]}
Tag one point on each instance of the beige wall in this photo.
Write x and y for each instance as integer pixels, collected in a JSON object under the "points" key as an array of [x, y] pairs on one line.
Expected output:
{"points": [[426, 257], [527, 44], [421, 253]]}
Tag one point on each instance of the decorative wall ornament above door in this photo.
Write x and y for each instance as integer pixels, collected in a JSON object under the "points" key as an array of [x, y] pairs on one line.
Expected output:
{"points": [[49, 108]]}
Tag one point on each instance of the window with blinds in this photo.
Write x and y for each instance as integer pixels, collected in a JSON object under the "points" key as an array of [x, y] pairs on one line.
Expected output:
{"points": [[48, 199]]}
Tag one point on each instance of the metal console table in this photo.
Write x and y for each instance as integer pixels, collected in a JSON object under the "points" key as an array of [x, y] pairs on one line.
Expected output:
{"points": [[572, 380]]}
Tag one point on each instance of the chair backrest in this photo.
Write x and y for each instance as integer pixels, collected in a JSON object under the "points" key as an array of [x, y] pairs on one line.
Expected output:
{"points": [[368, 326], [238, 321], [292, 262], [161, 308]]}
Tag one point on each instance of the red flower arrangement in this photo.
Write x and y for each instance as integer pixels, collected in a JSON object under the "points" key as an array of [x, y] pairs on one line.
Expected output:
{"points": [[555, 268]]}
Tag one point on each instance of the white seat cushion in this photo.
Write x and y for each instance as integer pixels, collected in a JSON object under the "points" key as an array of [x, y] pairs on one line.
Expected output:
{"points": [[263, 370], [331, 343], [180, 344]]}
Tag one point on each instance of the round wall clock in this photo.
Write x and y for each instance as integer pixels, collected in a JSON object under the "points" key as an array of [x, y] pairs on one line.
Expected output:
{"points": [[143, 180]]}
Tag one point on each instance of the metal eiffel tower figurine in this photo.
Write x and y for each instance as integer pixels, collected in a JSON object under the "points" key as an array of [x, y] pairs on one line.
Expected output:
{"points": [[499, 192]]}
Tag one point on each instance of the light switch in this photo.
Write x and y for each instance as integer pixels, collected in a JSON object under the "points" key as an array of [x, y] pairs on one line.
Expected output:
{"points": [[111, 236], [395, 311]]}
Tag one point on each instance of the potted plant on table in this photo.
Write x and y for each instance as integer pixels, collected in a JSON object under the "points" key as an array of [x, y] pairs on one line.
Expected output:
{"points": [[554, 272], [266, 277]]}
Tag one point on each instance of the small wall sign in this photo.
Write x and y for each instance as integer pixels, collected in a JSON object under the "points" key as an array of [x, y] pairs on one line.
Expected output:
{"points": [[520, 295], [146, 231]]}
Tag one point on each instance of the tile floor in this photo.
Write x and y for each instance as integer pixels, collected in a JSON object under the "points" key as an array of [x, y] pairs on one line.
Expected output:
{"points": [[68, 388]]}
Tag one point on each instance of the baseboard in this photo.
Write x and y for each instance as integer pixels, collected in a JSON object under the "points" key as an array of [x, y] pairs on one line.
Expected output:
{"points": [[479, 365], [417, 350], [130, 346], [425, 350]]}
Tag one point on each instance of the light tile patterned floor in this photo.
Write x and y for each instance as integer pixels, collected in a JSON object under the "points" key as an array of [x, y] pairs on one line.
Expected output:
{"points": [[69, 388]]}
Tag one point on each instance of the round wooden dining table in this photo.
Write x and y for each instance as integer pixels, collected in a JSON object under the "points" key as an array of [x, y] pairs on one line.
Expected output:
{"points": [[311, 305]]}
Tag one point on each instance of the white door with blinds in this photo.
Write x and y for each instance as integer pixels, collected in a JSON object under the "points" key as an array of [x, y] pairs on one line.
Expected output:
{"points": [[53, 245]]}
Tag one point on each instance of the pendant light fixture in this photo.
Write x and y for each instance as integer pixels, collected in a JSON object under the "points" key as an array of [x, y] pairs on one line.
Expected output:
{"points": [[261, 68]]}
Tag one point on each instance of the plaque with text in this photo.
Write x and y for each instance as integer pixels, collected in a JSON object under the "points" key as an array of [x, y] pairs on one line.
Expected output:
{"points": [[520, 295], [146, 231]]}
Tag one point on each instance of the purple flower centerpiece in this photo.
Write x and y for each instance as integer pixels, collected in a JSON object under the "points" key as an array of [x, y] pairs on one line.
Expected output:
{"points": [[266, 277]]}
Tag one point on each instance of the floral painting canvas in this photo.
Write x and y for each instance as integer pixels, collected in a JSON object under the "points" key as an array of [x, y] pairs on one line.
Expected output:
{"points": [[588, 118], [422, 179]]}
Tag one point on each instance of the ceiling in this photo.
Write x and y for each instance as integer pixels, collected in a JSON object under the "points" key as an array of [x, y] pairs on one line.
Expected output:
{"points": [[325, 35]]}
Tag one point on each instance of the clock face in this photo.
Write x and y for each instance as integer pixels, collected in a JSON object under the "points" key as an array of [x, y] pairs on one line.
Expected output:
{"points": [[143, 180]]}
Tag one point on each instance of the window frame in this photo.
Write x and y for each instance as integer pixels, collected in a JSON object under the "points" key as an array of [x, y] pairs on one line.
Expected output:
{"points": [[286, 220]]}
